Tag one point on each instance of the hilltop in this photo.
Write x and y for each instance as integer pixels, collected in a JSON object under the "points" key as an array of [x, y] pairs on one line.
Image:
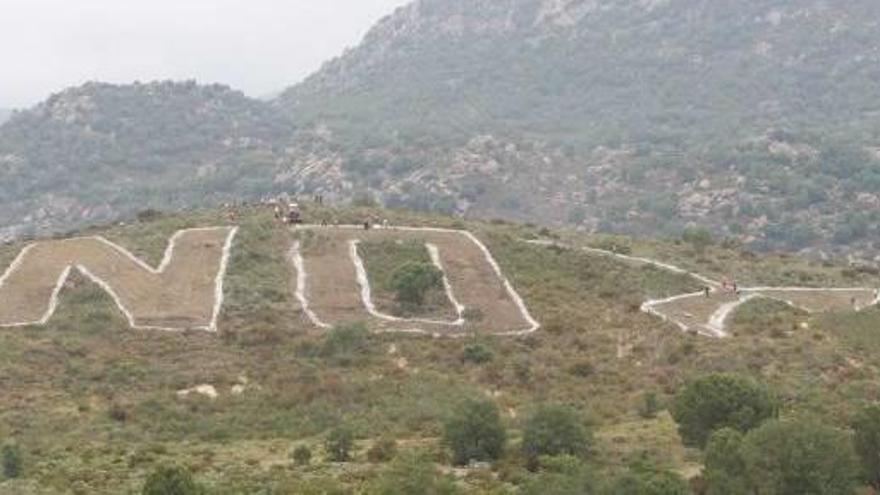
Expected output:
{"points": [[95, 405]]}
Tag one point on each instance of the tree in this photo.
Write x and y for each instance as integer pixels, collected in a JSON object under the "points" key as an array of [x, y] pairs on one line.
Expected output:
{"points": [[412, 281], [412, 475], [647, 480], [171, 480], [555, 430], [562, 475], [302, 455], [799, 458], [718, 401], [339, 444], [475, 433], [11, 460], [725, 470], [867, 443]]}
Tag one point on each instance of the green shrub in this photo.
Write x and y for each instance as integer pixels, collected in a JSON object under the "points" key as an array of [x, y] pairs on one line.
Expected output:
{"points": [[555, 430], [477, 354], [412, 475], [382, 451], [650, 405], [646, 480], [412, 281], [344, 343], [475, 432], [171, 480], [718, 401], [302, 455], [867, 443], [11, 460], [562, 475], [339, 444]]}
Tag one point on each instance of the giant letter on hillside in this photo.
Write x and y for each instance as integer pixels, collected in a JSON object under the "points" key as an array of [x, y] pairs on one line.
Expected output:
{"points": [[333, 288], [185, 291]]}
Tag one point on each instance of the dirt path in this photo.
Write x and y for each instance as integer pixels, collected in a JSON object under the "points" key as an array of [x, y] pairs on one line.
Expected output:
{"points": [[184, 291], [709, 315], [333, 288]]}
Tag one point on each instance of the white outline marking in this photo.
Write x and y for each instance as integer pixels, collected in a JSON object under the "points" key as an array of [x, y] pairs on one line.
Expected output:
{"points": [[166, 260], [534, 325], [715, 327], [367, 293], [301, 285]]}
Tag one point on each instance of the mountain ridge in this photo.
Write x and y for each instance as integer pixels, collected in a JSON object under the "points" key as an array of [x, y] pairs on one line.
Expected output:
{"points": [[753, 119]]}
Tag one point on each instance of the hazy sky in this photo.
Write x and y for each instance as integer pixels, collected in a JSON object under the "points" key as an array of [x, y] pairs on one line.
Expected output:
{"points": [[258, 46]]}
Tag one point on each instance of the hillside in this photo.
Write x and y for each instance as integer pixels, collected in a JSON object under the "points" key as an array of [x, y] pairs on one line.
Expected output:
{"points": [[95, 405], [756, 119], [5, 113], [100, 152]]}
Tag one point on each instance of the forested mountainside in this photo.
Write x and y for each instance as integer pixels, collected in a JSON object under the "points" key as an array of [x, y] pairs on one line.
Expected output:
{"points": [[102, 151], [756, 119]]}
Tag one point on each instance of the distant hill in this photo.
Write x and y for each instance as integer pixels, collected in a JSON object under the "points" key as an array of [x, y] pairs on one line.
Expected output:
{"points": [[101, 151], [5, 113], [756, 119]]}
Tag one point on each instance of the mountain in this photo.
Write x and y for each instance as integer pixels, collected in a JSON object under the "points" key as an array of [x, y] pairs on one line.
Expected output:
{"points": [[757, 119], [101, 151], [5, 113], [754, 119]]}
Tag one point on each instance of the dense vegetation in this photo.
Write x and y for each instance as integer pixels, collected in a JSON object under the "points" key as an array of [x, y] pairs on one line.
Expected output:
{"points": [[582, 406]]}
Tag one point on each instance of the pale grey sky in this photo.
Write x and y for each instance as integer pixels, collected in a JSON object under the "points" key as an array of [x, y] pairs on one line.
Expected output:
{"points": [[258, 46]]}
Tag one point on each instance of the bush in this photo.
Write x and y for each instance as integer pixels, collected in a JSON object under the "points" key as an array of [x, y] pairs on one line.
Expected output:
{"points": [[382, 451], [339, 444], [799, 458], [867, 443], [475, 432], [725, 469], [344, 343], [11, 459], [718, 401], [650, 405], [563, 475], [171, 480], [412, 475], [642, 480], [552, 431], [412, 281], [302, 455], [477, 354]]}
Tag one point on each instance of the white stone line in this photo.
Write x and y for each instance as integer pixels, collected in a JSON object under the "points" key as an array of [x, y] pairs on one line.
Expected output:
{"points": [[219, 279], [716, 323], [534, 325], [301, 286], [53, 300], [719, 317], [367, 294], [649, 307], [636, 259], [434, 252]]}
